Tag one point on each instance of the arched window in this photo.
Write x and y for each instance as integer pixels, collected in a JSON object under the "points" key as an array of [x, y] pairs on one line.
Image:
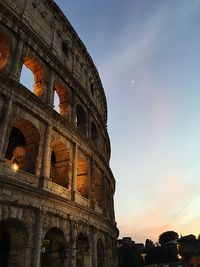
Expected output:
{"points": [[94, 133], [60, 160], [4, 50], [35, 67], [23, 145], [62, 102], [82, 175], [81, 119], [83, 249], [56, 102], [53, 252], [27, 78]]}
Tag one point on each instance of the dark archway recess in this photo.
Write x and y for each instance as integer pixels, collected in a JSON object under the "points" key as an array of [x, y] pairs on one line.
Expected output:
{"points": [[53, 252], [81, 120], [100, 253], [60, 160], [83, 251], [13, 243]]}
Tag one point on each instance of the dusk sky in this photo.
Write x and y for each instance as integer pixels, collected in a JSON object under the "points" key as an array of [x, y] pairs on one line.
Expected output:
{"points": [[147, 53]]}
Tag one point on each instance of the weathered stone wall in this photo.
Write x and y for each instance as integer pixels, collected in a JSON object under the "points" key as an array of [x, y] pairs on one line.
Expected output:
{"points": [[62, 189]]}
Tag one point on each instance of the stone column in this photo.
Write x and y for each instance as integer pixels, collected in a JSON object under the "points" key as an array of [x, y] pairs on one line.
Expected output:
{"points": [[50, 89], [45, 170], [4, 124], [38, 239], [73, 119], [74, 172], [94, 248], [73, 244], [29, 247], [16, 60], [92, 196]]}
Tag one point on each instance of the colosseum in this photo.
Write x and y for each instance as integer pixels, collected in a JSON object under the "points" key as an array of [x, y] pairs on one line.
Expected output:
{"points": [[56, 200]]}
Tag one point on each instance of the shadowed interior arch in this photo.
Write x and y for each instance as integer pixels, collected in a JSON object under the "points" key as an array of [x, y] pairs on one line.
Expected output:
{"points": [[23, 145], [60, 159], [13, 240], [53, 249], [83, 248], [81, 119]]}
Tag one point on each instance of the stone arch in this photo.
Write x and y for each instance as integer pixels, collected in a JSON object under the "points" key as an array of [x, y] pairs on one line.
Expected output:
{"points": [[82, 185], [82, 251], [33, 64], [23, 144], [64, 100], [94, 133], [81, 120], [101, 255], [53, 252], [4, 50], [15, 239], [60, 163]]}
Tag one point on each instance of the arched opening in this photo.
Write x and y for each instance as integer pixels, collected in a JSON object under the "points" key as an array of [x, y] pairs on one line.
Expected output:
{"points": [[97, 178], [62, 101], [13, 243], [82, 185], [56, 102], [23, 146], [60, 159], [83, 251], [94, 133], [27, 78], [4, 50], [100, 253], [53, 252], [81, 120], [35, 67]]}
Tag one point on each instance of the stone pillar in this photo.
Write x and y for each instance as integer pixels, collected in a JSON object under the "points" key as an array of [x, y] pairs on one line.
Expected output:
{"points": [[29, 247], [73, 119], [37, 239], [73, 244], [45, 170], [4, 124], [92, 196], [16, 60], [94, 248], [74, 172], [50, 89]]}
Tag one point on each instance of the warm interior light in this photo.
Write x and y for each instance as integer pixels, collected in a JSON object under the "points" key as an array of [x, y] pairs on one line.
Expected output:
{"points": [[179, 256], [15, 166]]}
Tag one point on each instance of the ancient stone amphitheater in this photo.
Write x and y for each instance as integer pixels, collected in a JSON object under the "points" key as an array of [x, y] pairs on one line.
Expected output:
{"points": [[56, 186]]}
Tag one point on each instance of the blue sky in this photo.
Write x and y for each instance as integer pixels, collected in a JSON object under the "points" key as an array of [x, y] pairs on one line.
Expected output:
{"points": [[153, 122]]}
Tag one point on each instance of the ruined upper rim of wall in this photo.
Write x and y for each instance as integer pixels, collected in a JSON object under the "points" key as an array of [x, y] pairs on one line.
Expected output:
{"points": [[44, 20]]}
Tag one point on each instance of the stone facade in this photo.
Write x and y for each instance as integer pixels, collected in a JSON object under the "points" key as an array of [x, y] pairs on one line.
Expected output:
{"points": [[56, 186]]}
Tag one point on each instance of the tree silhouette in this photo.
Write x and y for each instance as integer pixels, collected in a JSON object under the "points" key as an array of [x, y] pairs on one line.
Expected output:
{"points": [[167, 236]]}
